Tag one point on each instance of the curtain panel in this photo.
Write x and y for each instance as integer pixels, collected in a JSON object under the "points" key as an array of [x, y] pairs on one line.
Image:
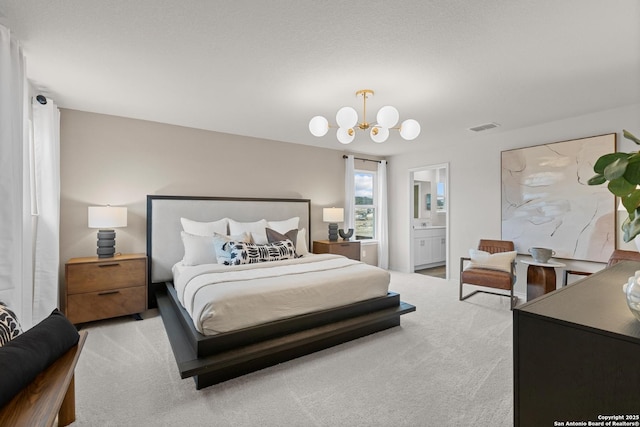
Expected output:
{"points": [[29, 190], [14, 183], [382, 225]]}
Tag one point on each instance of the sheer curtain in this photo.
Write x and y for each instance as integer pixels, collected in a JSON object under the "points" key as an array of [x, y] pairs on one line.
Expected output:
{"points": [[14, 183], [349, 194], [45, 207], [29, 190], [382, 225]]}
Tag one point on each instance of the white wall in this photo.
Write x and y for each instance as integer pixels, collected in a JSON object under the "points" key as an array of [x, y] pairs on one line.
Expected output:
{"points": [[474, 193]]}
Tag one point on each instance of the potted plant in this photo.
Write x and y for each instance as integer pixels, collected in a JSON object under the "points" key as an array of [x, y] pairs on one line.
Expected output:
{"points": [[622, 170]]}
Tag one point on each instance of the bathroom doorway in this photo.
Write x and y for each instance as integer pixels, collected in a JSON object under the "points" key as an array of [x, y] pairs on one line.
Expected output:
{"points": [[429, 222]]}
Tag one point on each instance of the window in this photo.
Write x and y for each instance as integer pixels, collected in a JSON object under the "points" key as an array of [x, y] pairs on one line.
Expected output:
{"points": [[365, 204]]}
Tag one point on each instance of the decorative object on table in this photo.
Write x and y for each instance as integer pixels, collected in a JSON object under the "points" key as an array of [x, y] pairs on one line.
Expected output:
{"points": [[347, 120], [546, 203], [333, 216], [105, 218], [622, 170], [632, 290], [346, 235], [541, 255]]}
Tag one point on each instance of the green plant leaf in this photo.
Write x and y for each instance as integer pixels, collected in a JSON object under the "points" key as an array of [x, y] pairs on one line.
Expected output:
{"points": [[606, 159], [631, 202], [597, 180], [632, 174], [620, 187], [630, 136], [616, 169], [632, 229]]}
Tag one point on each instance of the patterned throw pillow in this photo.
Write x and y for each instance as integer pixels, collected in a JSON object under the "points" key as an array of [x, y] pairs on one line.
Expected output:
{"points": [[250, 253], [9, 325]]}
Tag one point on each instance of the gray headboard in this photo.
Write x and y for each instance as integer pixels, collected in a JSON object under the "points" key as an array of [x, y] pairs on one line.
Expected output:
{"points": [[164, 245]]}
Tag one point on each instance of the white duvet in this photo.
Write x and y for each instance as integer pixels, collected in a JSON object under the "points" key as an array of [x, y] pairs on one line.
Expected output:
{"points": [[222, 298]]}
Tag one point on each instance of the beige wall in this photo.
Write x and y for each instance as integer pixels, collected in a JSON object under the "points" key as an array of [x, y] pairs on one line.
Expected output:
{"points": [[118, 161]]}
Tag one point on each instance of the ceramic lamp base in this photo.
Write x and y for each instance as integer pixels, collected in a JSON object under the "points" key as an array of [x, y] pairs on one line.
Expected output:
{"points": [[333, 232], [106, 243]]}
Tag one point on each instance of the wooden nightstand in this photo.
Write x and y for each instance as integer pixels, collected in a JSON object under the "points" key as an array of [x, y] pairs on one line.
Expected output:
{"points": [[100, 288], [339, 247]]}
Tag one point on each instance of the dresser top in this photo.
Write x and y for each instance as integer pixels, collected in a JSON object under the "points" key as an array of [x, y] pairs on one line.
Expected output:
{"points": [[116, 258], [596, 302]]}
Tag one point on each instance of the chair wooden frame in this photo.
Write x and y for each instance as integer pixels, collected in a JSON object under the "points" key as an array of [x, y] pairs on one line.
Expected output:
{"points": [[491, 246]]}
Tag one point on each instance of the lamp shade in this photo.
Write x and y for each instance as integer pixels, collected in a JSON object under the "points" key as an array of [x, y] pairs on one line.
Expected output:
{"points": [[332, 214], [388, 116], [107, 217], [409, 129], [318, 126]]}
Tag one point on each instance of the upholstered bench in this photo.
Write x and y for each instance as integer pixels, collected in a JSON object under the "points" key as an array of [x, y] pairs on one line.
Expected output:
{"points": [[38, 374]]}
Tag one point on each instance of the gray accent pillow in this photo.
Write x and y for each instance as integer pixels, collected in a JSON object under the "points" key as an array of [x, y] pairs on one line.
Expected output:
{"points": [[273, 236]]}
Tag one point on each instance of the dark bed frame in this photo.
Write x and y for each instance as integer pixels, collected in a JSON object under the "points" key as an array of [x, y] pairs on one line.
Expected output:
{"points": [[213, 359]]}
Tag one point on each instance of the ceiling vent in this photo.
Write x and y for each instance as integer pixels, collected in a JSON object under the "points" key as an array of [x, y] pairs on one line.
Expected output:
{"points": [[485, 126]]}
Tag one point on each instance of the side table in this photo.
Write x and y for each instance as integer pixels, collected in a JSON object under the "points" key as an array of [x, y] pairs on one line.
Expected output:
{"points": [[541, 277]]}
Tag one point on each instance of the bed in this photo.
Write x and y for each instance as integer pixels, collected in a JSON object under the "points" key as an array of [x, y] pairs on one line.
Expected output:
{"points": [[211, 348]]}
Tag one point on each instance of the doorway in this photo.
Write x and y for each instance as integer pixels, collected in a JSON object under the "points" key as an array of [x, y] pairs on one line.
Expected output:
{"points": [[429, 221]]}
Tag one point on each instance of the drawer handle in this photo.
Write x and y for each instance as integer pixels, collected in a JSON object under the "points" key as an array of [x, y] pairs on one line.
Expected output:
{"points": [[109, 265], [108, 293]]}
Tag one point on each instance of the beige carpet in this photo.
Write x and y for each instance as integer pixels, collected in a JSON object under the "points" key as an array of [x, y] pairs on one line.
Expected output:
{"points": [[449, 364]]}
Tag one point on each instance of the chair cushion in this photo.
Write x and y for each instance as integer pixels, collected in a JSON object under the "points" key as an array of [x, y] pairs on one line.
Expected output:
{"points": [[497, 261], [490, 278]]}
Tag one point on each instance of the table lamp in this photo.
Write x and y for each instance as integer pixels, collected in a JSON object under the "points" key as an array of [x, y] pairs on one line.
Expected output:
{"points": [[333, 216], [105, 218]]}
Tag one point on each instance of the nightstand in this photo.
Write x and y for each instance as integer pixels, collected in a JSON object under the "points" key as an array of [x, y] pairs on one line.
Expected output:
{"points": [[100, 288], [339, 247]]}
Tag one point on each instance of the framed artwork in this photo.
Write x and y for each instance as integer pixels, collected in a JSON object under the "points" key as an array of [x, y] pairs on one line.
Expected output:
{"points": [[546, 201]]}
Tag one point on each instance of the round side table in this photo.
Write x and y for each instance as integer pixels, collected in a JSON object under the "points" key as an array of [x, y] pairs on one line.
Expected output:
{"points": [[541, 277]]}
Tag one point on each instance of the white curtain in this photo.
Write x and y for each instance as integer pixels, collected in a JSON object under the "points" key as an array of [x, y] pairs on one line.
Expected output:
{"points": [[29, 192], [14, 183], [382, 225], [349, 194], [45, 207]]}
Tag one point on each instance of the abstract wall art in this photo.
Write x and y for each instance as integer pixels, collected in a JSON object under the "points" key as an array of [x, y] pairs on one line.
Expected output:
{"points": [[546, 201]]}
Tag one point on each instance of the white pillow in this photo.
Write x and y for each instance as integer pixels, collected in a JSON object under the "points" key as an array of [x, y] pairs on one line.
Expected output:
{"points": [[498, 261], [302, 248], [283, 226], [204, 228], [256, 229], [224, 254], [198, 249]]}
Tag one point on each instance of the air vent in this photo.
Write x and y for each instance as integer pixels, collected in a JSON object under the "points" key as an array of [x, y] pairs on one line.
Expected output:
{"points": [[485, 126]]}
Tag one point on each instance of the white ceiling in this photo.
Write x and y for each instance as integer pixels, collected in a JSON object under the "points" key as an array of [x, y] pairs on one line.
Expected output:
{"points": [[264, 68]]}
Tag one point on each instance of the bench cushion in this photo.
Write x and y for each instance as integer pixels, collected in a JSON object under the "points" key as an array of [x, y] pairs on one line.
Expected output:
{"points": [[31, 352]]}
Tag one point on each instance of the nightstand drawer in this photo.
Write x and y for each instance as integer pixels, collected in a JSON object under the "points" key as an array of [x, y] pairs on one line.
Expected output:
{"points": [[105, 304], [344, 248], [105, 275]]}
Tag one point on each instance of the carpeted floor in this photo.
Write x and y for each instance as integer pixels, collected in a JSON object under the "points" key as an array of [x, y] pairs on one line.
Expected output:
{"points": [[440, 271], [449, 364]]}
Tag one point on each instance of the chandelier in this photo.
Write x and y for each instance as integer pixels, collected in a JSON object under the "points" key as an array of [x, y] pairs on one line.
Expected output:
{"points": [[347, 120]]}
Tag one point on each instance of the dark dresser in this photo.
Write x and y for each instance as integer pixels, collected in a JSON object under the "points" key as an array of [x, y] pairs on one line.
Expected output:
{"points": [[577, 353]]}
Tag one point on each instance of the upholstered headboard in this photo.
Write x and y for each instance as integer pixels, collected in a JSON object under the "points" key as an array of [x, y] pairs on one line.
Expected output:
{"points": [[164, 245]]}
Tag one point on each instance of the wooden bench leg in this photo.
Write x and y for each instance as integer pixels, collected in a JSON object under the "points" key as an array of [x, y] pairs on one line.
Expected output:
{"points": [[67, 413]]}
